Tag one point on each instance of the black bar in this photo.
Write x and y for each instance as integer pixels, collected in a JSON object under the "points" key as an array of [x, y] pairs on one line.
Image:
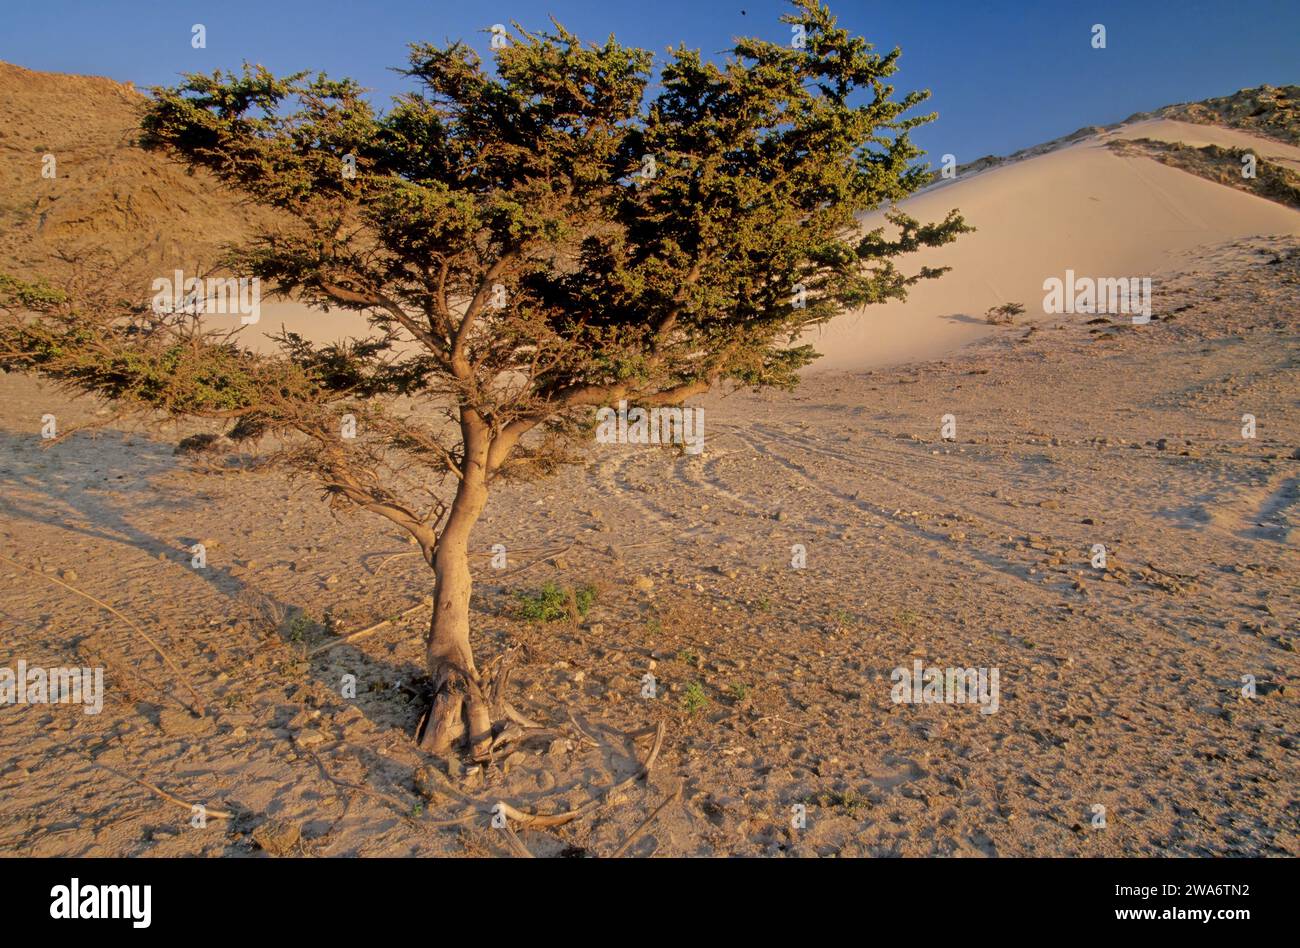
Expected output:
{"points": [[343, 897]]}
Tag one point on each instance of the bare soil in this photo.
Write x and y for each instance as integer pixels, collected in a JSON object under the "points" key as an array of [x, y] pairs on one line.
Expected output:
{"points": [[1119, 687]]}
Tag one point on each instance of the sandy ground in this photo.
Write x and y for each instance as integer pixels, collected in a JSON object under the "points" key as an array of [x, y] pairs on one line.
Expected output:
{"points": [[1120, 688]]}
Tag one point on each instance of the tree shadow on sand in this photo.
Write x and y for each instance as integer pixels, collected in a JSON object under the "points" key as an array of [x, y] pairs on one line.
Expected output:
{"points": [[98, 489]]}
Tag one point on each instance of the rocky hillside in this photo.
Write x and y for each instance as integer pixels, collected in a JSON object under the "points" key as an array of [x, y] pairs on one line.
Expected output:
{"points": [[74, 182]]}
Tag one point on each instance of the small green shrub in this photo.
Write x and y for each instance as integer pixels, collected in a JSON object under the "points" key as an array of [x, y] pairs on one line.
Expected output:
{"points": [[695, 699], [553, 603], [300, 626], [1003, 315]]}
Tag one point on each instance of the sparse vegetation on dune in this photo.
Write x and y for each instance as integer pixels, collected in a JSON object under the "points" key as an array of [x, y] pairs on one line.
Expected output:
{"points": [[1004, 315], [1238, 168]]}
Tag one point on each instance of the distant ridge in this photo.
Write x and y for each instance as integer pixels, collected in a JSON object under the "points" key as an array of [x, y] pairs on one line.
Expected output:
{"points": [[1268, 111]]}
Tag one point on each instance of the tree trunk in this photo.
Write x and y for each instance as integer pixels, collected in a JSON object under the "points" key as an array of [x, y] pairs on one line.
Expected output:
{"points": [[459, 705]]}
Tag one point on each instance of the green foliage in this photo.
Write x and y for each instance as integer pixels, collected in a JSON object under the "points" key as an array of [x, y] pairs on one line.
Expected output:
{"points": [[906, 619], [299, 627], [1004, 314], [694, 698], [553, 603], [19, 294], [852, 802], [533, 177]]}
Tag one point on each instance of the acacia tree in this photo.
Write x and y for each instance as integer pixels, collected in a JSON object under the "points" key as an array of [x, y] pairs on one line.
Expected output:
{"points": [[527, 243]]}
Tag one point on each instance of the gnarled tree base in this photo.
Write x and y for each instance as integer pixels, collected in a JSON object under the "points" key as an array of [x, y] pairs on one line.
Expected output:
{"points": [[464, 705]]}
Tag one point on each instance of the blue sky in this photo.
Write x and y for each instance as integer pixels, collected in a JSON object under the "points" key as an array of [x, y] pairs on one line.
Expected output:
{"points": [[1004, 74]]}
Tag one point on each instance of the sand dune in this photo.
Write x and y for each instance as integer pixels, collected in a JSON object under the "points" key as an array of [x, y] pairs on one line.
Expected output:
{"points": [[1082, 208]]}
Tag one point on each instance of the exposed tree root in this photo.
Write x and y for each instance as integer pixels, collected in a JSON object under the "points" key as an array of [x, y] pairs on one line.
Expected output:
{"points": [[207, 811], [516, 845], [545, 820], [528, 820], [369, 630], [466, 705]]}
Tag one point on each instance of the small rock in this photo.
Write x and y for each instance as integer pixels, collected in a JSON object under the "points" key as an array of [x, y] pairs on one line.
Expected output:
{"points": [[349, 715], [309, 738], [559, 747], [175, 722], [517, 759], [643, 584], [277, 838]]}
